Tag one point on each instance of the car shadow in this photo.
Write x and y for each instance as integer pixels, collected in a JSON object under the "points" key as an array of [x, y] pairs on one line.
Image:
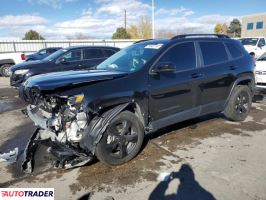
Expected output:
{"points": [[191, 123], [85, 197], [188, 189]]}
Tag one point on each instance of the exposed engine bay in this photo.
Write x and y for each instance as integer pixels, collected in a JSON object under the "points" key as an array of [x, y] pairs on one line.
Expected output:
{"points": [[61, 123], [67, 128]]}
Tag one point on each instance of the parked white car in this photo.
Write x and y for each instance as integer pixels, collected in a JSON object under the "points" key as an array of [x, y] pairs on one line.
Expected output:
{"points": [[260, 70], [9, 59], [254, 44]]}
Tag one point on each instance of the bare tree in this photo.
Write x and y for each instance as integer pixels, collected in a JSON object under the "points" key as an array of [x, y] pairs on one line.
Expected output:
{"points": [[165, 34], [145, 27], [221, 28], [142, 29]]}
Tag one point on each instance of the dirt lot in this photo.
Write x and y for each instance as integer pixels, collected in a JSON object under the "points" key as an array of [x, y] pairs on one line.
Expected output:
{"points": [[208, 157]]}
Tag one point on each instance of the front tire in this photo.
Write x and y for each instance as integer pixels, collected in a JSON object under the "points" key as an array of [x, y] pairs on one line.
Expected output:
{"points": [[239, 104], [122, 139], [5, 70]]}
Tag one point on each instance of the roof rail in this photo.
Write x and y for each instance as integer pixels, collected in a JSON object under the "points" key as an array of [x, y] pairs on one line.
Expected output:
{"points": [[142, 41], [199, 35]]}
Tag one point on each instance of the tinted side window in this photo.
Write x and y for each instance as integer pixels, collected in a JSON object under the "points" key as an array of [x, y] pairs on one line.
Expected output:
{"points": [[92, 53], [234, 50], [261, 42], [52, 50], [42, 51], [213, 52], [182, 55], [109, 52], [73, 55]]}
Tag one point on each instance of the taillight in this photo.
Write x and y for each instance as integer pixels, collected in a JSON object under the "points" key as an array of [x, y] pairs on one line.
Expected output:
{"points": [[23, 56]]}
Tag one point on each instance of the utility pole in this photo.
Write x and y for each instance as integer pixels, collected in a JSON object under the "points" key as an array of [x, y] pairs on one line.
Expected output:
{"points": [[125, 19], [153, 28]]}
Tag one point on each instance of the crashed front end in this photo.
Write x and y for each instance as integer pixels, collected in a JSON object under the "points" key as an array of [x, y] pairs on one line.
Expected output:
{"points": [[61, 123], [66, 125]]}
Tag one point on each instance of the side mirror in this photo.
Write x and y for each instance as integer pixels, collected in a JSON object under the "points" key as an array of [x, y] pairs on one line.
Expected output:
{"points": [[62, 61], [164, 67]]}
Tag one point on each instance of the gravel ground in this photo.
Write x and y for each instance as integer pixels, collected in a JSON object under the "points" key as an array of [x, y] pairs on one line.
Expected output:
{"points": [[207, 158]]}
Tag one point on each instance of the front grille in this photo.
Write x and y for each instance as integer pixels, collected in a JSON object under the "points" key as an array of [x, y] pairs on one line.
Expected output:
{"points": [[263, 84], [261, 72]]}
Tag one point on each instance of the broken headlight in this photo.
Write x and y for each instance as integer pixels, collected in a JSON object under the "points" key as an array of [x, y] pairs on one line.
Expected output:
{"points": [[76, 100]]}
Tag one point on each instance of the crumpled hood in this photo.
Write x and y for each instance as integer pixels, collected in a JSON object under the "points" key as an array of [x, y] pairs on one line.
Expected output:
{"points": [[28, 65], [52, 81]]}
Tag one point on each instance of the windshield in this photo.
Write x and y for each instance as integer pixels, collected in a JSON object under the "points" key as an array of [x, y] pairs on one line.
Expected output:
{"points": [[55, 55], [249, 41], [263, 57], [131, 58]]}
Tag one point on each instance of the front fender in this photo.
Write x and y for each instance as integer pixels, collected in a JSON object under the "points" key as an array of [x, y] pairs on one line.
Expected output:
{"points": [[94, 132]]}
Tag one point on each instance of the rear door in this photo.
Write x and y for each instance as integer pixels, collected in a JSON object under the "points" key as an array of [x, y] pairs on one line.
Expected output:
{"points": [[219, 75], [92, 57], [174, 92]]}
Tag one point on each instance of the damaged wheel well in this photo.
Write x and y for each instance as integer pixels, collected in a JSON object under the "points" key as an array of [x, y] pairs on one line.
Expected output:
{"points": [[132, 107], [98, 125], [136, 109]]}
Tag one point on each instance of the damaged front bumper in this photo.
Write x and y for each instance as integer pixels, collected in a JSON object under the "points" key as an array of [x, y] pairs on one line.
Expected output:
{"points": [[71, 142], [65, 157]]}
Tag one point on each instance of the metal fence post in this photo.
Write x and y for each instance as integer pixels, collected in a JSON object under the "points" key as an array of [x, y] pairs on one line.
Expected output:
{"points": [[14, 46]]}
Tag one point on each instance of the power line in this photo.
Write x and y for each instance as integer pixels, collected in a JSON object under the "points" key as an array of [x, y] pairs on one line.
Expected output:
{"points": [[153, 25]]}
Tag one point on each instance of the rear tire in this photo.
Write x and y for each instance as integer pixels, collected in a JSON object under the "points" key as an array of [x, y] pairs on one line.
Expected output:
{"points": [[5, 70], [239, 104], [122, 139]]}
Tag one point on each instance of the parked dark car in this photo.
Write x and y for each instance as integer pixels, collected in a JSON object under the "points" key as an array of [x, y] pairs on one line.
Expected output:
{"points": [[41, 54], [72, 58], [152, 84]]}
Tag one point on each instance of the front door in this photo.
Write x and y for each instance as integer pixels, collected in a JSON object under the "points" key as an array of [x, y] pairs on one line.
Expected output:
{"points": [[71, 60], [174, 92]]}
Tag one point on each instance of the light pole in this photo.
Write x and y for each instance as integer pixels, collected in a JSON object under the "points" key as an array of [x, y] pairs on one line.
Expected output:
{"points": [[153, 30]]}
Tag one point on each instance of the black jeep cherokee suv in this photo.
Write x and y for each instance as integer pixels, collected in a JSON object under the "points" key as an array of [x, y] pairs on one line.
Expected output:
{"points": [[149, 85]]}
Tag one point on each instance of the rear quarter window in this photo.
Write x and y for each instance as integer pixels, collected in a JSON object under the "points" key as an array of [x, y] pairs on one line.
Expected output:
{"points": [[213, 52], [92, 54], [109, 52], [234, 50]]}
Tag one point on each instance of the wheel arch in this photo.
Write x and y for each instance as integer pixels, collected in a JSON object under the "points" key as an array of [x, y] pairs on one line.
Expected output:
{"points": [[7, 61], [97, 126], [247, 80]]}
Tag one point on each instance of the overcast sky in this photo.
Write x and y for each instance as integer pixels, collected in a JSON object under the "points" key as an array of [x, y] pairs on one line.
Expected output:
{"points": [[57, 19]]}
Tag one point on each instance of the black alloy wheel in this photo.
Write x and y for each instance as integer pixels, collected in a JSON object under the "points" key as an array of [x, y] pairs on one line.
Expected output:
{"points": [[122, 140]]}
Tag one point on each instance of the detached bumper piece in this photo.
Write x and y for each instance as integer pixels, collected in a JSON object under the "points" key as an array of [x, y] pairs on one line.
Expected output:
{"points": [[66, 157], [11, 156], [28, 155]]}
